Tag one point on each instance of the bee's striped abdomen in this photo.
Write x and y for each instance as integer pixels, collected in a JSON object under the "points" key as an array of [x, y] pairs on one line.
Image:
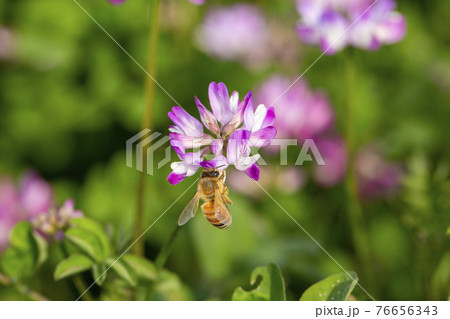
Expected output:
{"points": [[218, 216]]}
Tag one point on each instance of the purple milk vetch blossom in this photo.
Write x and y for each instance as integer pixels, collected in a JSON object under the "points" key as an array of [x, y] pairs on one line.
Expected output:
{"points": [[116, 2], [7, 44], [237, 32], [376, 177], [301, 112], [288, 180], [241, 32], [33, 197], [198, 2], [306, 114], [8, 209], [335, 24], [53, 223], [32, 200], [232, 122], [334, 154]]}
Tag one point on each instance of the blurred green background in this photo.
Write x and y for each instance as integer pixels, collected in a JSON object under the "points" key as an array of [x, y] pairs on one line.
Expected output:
{"points": [[70, 98]]}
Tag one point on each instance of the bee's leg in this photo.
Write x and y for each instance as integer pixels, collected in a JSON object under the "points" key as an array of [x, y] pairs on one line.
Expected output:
{"points": [[227, 200], [225, 197]]}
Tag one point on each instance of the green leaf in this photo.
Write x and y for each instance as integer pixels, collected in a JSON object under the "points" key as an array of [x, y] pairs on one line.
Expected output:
{"points": [[72, 265], [22, 235], [277, 289], [143, 268], [42, 246], [20, 259], [122, 270], [87, 242], [95, 228], [170, 287], [268, 284], [99, 274], [334, 288]]}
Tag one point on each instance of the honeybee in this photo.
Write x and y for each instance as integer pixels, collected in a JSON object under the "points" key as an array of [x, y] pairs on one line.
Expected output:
{"points": [[212, 190]]}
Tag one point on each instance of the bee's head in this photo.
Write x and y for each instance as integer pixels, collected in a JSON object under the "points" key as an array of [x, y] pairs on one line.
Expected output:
{"points": [[213, 173], [210, 173]]}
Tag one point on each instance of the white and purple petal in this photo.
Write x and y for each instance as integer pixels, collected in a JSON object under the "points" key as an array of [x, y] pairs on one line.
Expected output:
{"points": [[333, 32], [217, 162], [187, 167], [234, 102], [253, 172], [391, 30], [186, 122], [238, 116], [217, 146], [246, 162], [188, 142], [238, 146], [269, 120], [207, 118], [220, 102], [263, 137]]}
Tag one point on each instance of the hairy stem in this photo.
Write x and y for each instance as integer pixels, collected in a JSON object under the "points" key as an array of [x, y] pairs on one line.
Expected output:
{"points": [[138, 248], [354, 210], [32, 295]]}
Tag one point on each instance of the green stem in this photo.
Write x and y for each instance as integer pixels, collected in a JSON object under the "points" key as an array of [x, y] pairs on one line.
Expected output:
{"points": [[32, 295], [354, 209], [82, 288], [161, 259], [150, 86]]}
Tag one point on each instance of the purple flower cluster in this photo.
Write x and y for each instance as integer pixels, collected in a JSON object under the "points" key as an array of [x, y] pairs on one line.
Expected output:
{"points": [[116, 2], [236, 32], [305, 114], [7, 44], [31, 201], [335, 24], [198, 2], [53, 223], [235, 126], [376, 177]]}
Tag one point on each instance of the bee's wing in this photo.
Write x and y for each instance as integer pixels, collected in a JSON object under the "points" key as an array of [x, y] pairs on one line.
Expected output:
{"points": [[189, 211]]}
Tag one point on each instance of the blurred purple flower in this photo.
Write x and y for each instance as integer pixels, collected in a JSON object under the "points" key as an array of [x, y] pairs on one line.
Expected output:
{"points": [[35, 195], [7, 44], [286, 179], [335, 24], [376, 177], [224, 122], [9, 210], [33, 198], [116, 2], [53, 223], [198, 2], [301, 113], [305, 114], [334, 154], [237, 32]]}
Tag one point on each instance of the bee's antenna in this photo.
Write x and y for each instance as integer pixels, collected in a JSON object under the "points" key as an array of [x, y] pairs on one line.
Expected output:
{"points": [[220, 166]]}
